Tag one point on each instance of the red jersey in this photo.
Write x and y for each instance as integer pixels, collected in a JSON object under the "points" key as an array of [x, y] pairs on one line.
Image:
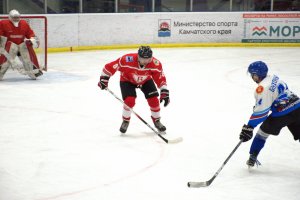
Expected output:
{"points": [[15, 34], [131, 71]]}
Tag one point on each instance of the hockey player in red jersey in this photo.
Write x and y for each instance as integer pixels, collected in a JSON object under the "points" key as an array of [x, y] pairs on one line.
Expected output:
{"points": [[139, 70], [18, 39]]}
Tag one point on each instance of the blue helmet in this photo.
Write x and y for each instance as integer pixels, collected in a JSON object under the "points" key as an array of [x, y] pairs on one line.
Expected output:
{"points": [[258, 68]]}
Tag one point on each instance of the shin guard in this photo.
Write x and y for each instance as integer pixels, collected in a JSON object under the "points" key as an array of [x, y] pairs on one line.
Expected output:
{"points": [[153, 102], [130, 102]]}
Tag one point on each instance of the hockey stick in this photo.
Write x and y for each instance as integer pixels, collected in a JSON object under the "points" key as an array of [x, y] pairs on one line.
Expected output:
{"points": [[176, 140], [207, 183]]}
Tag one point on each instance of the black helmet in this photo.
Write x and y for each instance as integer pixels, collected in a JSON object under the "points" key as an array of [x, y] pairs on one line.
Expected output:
{"points": [[145, 52]]}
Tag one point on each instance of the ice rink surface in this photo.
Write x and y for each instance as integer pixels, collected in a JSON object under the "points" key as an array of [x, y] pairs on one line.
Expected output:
{"points": [[60, 140]]}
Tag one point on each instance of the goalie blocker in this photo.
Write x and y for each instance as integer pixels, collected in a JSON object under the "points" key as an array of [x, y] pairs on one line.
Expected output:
{"points": [[26, 55]]}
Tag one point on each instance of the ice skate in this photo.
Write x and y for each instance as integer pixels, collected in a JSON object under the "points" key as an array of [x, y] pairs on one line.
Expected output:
{"points": [[252, 161], [40, 73], [124, 126], [160, 127]]}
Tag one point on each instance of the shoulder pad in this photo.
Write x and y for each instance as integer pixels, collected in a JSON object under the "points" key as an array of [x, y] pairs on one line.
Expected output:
{"points": [[156, 62]]}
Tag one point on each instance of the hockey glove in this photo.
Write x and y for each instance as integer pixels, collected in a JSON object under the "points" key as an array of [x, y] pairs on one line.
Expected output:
{"points": [[164, 96], [103, 83], [246, 133], [33, 41]]}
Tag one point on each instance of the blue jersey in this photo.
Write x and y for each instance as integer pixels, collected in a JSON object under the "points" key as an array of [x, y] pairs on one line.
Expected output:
{"points": [[272, 95]]}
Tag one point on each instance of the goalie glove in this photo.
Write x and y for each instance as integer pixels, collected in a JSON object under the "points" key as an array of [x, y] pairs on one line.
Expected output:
{"points": [[33, 41]]}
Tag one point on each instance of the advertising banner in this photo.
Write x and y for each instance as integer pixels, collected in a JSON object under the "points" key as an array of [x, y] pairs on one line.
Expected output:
{"points": [[172, 28], [200, 27], [271, 28]]}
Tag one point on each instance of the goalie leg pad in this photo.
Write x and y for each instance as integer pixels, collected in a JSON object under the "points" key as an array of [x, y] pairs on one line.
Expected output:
{"points": [[2, 59], [3, 68], [12, 50], [28, 54], [29, 60]]}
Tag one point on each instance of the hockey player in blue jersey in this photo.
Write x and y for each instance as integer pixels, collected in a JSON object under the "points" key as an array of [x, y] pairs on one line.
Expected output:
{"points": [[272, 96]]}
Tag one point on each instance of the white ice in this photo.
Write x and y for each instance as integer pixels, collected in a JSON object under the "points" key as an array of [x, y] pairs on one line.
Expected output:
{"points": [[60, 140]]}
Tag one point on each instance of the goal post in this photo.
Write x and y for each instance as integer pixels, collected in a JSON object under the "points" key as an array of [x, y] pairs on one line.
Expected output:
{"points": [[39, 25]]}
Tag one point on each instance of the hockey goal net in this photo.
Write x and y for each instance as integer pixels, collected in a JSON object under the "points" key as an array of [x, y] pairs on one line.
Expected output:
{"points": [[39, 25]]}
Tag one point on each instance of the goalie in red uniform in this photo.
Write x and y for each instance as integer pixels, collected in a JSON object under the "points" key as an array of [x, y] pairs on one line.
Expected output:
{"points": [[18, 40], [139, 70]]}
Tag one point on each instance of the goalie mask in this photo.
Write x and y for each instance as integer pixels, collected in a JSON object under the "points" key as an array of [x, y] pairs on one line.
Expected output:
{"points": [[14, 17]]}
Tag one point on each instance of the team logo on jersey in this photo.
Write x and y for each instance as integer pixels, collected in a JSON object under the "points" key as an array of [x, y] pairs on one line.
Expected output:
{"points": [[259, 89], [138, 78], [129, 58], [16, 36], [156, 62]]}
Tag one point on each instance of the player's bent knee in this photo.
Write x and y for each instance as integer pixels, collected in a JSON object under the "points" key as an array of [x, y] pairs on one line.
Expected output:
{"points": [[130, 101], [153, 102]]}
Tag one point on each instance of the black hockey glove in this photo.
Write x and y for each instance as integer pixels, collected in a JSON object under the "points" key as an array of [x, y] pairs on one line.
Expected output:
{"points": [[246, 133], [103, 83], [164, 96]]}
